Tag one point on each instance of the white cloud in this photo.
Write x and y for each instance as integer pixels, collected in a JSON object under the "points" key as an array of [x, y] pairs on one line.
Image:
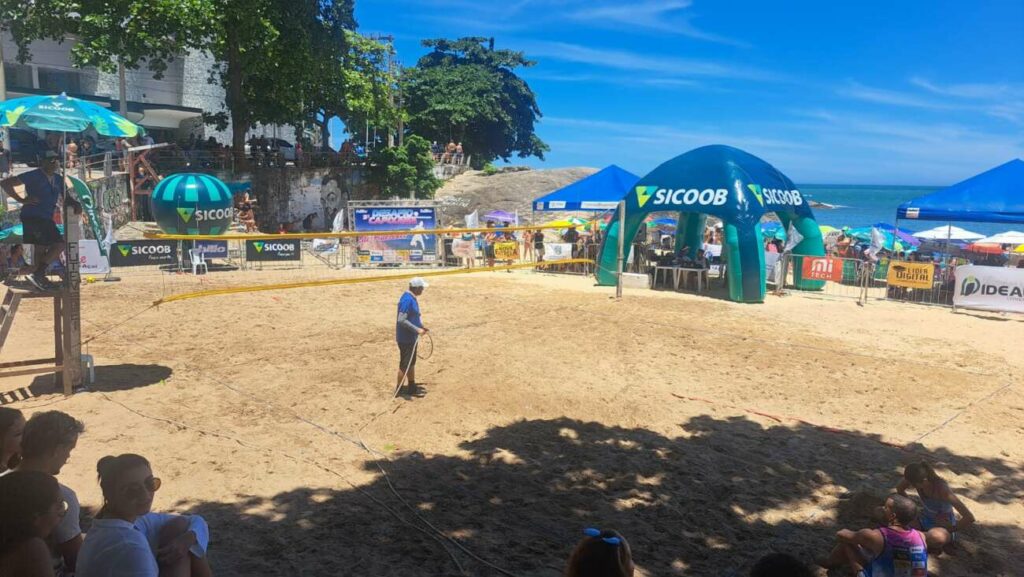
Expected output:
{"points": [[882, 96], [657, 15]]}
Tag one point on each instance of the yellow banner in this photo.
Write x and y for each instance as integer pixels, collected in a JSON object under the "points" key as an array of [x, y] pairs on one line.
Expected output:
{"points": [[911, 274], [506, 250]]}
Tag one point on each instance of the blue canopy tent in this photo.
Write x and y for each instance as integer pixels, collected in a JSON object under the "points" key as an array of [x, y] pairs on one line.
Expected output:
{"points": [[598, 192], [996, 195]]}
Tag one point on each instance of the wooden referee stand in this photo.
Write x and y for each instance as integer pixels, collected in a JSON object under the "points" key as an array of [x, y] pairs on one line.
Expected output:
{"points": [[66, 364]]}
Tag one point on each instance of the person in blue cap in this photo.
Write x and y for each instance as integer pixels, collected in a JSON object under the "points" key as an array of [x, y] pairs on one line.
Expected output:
{"points": [[408, 331], [44, 187]]}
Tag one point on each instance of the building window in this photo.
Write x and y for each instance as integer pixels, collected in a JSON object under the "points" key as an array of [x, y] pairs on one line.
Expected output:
{"points": [[18, 75], [56, 81]]}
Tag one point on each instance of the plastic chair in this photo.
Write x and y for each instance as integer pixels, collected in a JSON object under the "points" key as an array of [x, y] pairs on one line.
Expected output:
{"points": [[198, 261]]}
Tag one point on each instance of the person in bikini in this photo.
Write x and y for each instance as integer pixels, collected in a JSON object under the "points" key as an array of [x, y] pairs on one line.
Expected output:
{"points": [[938, 502]]}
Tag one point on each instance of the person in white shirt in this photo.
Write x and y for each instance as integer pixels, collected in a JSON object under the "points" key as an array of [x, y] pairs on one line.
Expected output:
{"points": [[127, 540]]}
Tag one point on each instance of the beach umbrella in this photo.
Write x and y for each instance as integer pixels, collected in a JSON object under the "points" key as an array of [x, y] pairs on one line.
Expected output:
{"points": [[985, 248], [905, 235], [826, 229], [500, 216], [1013, 237], [1019, 248], [949, 231], [559, 224], [63, 113]]}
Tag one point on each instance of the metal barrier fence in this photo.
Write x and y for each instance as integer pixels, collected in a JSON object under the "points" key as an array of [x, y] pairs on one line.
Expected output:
{"points": [[843, 277], [921, 282]]}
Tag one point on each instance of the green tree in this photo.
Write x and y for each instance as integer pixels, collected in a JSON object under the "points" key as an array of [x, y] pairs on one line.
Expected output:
{"points": [[405, 171], [469, 93]]}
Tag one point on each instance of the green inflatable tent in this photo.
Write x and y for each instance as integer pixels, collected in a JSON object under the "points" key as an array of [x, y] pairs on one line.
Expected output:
{"points": [[733, 185]]}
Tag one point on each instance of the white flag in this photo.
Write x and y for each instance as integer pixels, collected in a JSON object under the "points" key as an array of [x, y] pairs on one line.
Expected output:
{"points": [[793, 238], [473, 220]]}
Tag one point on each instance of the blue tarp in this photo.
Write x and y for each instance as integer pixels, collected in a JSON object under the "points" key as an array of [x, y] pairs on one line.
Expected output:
{"points": [[996, 195], [598, 192]]}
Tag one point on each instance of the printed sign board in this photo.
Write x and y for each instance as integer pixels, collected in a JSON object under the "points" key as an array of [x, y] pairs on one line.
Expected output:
{"points": [[463, 248], [506, 250], [273, 250], [91, 260], [989, 288], [144, 252], [398, 248], [911, 274], [557, 250], [822, 268], [212, 248]]}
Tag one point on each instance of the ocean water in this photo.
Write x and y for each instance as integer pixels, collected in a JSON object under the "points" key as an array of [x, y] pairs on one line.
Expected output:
{"points": [[865, 205]]}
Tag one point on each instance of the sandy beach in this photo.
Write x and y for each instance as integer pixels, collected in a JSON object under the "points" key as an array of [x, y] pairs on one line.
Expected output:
{"points": [[707, 432]]}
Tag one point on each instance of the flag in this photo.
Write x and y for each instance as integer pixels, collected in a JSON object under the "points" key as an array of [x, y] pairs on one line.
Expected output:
{"points": [[793, 238], [473, 220]]}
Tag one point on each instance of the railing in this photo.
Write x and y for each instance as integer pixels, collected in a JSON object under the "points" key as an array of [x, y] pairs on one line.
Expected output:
{"points": [[451, 158]]}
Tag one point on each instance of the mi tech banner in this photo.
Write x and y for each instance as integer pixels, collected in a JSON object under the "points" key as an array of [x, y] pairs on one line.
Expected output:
{"points": [[273, 250], [144, 252], [212, 248], [822, 268], [463, 248], [506, 250], [989, 288], [917, 275], [557, 250]]}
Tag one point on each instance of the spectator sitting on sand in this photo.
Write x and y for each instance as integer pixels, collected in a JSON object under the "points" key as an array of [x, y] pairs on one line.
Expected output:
{"points": [[877, 552], [601, 554], [128, 539], [31, 506], [12, 426], [780, 565], [46, 445], [938, 502]]}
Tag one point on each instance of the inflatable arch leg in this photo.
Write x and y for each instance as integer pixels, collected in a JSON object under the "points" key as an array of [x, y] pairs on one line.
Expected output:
{"points": [[811, 245], [690, 232], [607, 262], [743, 249]]}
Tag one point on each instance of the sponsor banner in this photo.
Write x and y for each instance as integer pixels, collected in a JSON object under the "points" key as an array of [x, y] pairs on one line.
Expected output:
{"points": [[989, 288], [325, 245], [91, 260], [772, 266], [463, 248], [557, 250], [597, 205], [822, 268], [506, 250], [910, 274], [400, 247], [273, 250], [88, 200], [556, 204], [212, 248], [144, 252]]}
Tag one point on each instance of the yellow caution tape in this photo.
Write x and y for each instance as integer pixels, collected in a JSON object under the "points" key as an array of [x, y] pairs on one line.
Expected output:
{"points": [[359, 280], [349, 234]]}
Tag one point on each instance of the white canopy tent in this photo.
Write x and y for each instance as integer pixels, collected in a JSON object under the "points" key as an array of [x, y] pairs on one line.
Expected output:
{"points": [[948, 232], [1013, 237]]}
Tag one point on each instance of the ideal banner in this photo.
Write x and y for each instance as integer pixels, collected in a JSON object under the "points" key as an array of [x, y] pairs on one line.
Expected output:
{"points": [[822, 268], [144, 252], [557, 250], [506, 250], [88, 200], [399, 248], [212, 248], [911, 274], [91, 260], [463, 248], [273, 250], [989, 288]]}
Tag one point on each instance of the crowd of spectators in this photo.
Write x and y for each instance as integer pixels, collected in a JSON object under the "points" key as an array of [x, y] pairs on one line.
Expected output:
{"points": [[452, 153]]}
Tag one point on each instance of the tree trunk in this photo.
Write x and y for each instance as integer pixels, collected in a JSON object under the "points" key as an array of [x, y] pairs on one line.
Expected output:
{"points": [[236, 103]]}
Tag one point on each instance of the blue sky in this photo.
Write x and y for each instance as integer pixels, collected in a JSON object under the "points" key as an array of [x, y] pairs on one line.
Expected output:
{"points": [[923, 92]]}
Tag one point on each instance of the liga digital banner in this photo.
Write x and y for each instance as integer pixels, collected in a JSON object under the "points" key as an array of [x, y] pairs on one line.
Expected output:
{"points": [[557, 250], [273, 250], [506, 250], [989, 288], [144, 252], [463, 248], [822, 268], [917, 275], [398, 248]]}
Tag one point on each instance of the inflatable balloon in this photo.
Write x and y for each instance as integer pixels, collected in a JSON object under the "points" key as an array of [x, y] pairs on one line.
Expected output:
{"points": [[192, 203]]}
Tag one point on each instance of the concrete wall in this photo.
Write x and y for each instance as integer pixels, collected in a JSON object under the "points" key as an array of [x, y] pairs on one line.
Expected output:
{"points": [[287, 195]]}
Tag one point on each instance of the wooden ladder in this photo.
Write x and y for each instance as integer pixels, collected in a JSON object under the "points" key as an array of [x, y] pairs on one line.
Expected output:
{"points": [[8, 309]]}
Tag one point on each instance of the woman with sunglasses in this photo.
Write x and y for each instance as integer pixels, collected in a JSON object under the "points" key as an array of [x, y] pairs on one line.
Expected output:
{"points": [[12, 426], [30, 507], [127, 540], [601, 554]]}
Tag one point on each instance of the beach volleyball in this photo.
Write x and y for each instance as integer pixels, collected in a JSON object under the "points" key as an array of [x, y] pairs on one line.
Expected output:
{"points": [[192, 203]]}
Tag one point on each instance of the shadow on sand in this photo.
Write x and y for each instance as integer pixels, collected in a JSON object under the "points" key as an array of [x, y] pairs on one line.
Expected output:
{"points": [[709, 501]]}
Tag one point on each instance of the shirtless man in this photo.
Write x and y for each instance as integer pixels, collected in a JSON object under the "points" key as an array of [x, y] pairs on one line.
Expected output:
{"points": [[895, 550]]}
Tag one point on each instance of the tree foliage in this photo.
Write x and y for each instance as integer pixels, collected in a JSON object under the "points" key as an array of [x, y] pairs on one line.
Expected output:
{"points": [[405, 171], [468, 92]]}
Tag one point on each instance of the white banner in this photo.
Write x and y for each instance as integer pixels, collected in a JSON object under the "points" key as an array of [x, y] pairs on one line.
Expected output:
{"points": [[463, 248], [557, 250], [989, 288], [90, 259], [772, 267]]}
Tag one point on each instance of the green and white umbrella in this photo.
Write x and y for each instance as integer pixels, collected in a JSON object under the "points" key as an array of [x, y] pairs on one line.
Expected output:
{"points": [[63, 113]]}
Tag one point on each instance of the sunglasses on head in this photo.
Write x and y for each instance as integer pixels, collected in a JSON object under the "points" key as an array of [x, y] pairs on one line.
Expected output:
{"points": [[150, 484], [597, 533]]}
